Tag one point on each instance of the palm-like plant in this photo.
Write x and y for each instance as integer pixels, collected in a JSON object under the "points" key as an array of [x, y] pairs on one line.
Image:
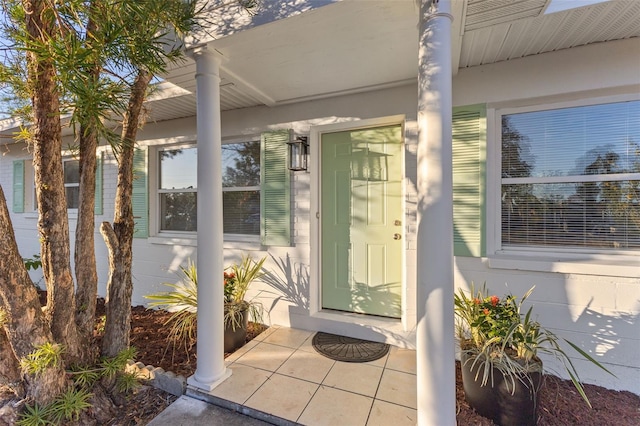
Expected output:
{"points": [[183, 302], [496, 334], [236, 286]]}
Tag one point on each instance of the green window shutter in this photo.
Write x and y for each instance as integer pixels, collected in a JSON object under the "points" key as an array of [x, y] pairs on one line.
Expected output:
{"points": [[469, 180], [18, 186], [98, 201], [140, 195], [275, 201]]}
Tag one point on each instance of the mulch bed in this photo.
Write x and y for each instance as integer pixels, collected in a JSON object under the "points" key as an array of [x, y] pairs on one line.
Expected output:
{"points": [[560, 402]]}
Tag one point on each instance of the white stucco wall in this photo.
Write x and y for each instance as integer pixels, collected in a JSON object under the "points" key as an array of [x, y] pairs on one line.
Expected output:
{"points": [[595, 305]]}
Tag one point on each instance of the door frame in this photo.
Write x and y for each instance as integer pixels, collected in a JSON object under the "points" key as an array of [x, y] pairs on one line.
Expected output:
{"points": [[315, 168]]}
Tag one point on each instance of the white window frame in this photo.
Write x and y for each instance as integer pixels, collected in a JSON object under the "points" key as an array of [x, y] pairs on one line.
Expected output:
{"points": [[71, 185], [155, 194], [189, 238], [588, 261], [242, 237]]}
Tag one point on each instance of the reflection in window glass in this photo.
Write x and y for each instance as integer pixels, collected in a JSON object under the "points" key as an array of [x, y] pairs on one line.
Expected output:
{"points": [[571, 177], [178, 186], [179, 168], [178, 211], [241, 212], [241, 164], [241, 188], [177, 190], [72, 183]]}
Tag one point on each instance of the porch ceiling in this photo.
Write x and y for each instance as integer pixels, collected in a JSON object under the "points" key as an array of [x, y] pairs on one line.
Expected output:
{"points": [[351, 46]]}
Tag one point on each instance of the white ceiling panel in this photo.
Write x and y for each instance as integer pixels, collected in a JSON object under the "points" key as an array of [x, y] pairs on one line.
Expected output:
{"points": [[353, 45]]}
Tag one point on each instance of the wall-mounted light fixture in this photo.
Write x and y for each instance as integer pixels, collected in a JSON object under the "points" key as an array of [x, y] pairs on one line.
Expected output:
{"points": [[298, 153]]}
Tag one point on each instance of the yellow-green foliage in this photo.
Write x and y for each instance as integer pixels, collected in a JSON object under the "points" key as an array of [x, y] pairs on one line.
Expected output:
{"points": [[45, 356]]}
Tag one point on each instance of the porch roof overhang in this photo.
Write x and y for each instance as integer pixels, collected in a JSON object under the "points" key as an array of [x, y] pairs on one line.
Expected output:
{"points": [[324, 48], [350, 46]]}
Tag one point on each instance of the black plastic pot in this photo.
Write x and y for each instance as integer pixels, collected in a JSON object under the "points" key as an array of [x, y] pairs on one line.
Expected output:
{"points": [[502, 403], [234, 339]]}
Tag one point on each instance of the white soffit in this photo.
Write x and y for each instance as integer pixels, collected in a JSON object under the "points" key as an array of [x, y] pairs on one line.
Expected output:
{"points": [[611, 20], [486, 13]]}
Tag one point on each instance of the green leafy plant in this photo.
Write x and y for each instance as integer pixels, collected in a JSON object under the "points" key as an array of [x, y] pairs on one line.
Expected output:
{"points": [[126, 382], [32, 262], [236, 285], [44, 356], [496, 334], [110, 367], [34, 415], [183, 302], [69, 405], [65, 408], [183, 299]]}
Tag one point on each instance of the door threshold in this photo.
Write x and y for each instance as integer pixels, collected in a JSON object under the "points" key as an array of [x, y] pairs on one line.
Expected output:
{"points": [[356, 318], [367, 327]]}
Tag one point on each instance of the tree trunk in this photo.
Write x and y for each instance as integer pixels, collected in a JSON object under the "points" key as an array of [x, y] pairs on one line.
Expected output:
{"points": [[84, 255], [25, 326], [53, 224], [119, 239], [9, 366]]}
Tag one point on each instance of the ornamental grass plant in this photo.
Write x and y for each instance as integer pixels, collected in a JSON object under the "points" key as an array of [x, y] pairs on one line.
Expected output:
{"points": [[237, 280], [495, 333], [182, 300]]}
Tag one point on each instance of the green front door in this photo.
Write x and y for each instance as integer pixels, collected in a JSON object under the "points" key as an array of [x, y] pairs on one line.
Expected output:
{"points": [[362, 221]]}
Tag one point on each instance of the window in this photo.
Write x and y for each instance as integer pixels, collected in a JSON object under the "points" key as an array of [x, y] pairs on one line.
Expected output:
{"points": [[177, 189], [571, 178], [177, 192], [72, 182], [241, 188]]}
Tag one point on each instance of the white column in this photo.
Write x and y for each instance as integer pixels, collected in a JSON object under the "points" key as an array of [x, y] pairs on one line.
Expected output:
{"points": [[435, 333], [210, 370]]}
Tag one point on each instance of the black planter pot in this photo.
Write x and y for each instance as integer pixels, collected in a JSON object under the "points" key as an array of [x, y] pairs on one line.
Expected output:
{"points": [[233, 339], [500, 402]]}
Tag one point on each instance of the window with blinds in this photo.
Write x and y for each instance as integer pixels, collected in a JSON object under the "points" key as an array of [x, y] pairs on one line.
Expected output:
{"points": [[241, 188], [571, 178], [177, 192]]}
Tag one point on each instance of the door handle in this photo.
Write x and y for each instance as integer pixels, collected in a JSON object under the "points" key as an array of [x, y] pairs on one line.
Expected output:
{"points": [[397, 236]]}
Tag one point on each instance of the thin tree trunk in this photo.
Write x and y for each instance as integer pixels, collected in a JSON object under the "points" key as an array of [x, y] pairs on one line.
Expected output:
{"points": [[53, 224], [84, 255], [119, 238], [25, 326]]}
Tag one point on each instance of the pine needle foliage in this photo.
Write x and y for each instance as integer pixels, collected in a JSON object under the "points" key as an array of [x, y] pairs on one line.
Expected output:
{"points": [[44, 356]]}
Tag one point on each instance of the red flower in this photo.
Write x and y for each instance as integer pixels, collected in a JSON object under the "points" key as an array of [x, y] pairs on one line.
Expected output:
{"points": [[476, 301], [494, 300], [486, 311]]}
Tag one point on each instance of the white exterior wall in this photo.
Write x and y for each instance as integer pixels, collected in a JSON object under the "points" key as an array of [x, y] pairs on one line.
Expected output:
{"points": [[597, 310], [596, 303]]}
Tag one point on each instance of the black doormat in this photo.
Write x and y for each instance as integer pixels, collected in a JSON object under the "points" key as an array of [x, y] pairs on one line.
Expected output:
{"points": [[348, 349]]}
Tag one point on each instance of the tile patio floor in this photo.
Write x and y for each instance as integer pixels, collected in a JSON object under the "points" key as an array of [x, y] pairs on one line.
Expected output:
{"points": [[279, 377]]}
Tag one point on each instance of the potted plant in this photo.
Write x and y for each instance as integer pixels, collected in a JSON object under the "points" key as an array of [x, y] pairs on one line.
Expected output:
{"points": [[237, 309], [183, 302], [501, 371]]}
